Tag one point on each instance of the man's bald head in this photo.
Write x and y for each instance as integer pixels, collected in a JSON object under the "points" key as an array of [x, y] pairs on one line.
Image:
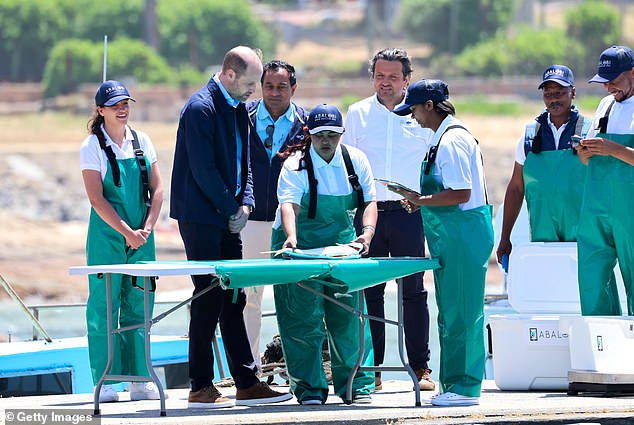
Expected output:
{"points": [[240, 58], [241, 71]]}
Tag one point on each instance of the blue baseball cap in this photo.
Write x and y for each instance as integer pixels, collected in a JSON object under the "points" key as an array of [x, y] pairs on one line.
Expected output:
{"points": [[325, 118], [559, 74], [422, 91], [612, 62], [111, 92]]}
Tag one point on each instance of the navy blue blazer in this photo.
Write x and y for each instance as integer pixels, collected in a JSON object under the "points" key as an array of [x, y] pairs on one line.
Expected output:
{"points": [[265, 171], [204, 174]]}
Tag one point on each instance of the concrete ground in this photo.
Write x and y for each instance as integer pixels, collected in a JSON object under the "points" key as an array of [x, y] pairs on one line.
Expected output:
{"points": [[393, 405]]}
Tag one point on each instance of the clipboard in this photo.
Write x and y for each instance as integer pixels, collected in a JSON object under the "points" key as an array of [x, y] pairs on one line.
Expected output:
{"points": [[393, 186]]}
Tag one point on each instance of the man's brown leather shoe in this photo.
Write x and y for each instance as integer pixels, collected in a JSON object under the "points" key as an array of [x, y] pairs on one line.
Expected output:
{"points": [[425, 383], [208, 398]]}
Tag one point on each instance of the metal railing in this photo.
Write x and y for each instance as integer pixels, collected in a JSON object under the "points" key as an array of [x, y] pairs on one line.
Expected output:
{"points": [[37, 308]]}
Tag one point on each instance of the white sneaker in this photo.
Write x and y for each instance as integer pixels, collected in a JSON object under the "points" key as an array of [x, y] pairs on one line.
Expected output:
{"points": [[108, 394], [453, 399], [144, 391]]}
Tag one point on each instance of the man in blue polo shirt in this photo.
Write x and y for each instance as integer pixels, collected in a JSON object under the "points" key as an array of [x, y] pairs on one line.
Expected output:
{"points": [[275, 123]]}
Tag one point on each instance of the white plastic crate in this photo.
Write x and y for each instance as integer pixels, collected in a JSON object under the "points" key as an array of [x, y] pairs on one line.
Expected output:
{"points": [[602, 344]]}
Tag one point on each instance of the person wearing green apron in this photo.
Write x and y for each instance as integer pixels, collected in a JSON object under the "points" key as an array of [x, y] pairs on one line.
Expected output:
{"points": [[341, 181], [457, 221], [120, 187], [546, 169], [606, 227]]}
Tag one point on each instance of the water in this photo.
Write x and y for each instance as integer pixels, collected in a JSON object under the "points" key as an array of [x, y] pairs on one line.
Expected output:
{"points": [[70, 322]]}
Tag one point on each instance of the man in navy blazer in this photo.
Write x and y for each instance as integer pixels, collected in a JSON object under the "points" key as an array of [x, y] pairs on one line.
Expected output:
{"points": [[211, 197]]}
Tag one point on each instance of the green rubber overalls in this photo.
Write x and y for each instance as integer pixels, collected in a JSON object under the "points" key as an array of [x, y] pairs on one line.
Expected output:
{"points": [[301, 314], [606, 232], [462, 241], [553, 187], [107, 246]]}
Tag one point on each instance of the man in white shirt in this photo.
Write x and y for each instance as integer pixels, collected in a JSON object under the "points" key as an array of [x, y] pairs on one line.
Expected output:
{"points": [[395, 147], [606, 228]]}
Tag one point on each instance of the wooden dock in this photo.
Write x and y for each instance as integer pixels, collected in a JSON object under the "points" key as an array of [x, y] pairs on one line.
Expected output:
{"points": [[393, 405]]}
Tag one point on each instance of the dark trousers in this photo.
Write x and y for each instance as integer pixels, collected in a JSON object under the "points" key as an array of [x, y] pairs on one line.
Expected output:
{"points": [[208, 242], [399, 233]]}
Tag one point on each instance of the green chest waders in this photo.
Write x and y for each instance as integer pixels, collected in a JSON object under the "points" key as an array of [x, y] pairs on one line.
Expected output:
{"points": [[606, 232], [107, 246], [462, 241], [553, 187], [301, 314]]}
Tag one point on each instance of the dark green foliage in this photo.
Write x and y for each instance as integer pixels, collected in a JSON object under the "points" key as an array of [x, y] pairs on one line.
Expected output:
{"points": [[596, 25], [114, 18], [432, 21], [193, 33], [199, 32], [73, 62], [526, 53], [28, 30]]}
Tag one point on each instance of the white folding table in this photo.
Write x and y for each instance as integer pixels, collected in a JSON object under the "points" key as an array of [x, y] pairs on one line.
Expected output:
{"points": [[147, 271]]}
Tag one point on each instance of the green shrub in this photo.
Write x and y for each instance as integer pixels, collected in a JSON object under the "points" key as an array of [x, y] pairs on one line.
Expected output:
{"points": [[73, 62], [127, 57], [528, 52]]}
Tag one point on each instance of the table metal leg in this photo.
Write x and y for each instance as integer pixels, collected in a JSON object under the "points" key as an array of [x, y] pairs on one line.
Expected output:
{"points": [[362, 318], [357, 365], [147, 285], [106, 371], [401, 338]]}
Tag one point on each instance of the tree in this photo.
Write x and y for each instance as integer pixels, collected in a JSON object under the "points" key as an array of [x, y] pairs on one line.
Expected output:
{"points": [[199, 32], [114, 18], [596, 25], [451, 25], [28, 30]]}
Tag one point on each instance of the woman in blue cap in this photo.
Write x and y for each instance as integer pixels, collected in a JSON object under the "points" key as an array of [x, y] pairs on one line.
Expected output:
{"points": [[318, 196], [457, 221], [126, 193]]}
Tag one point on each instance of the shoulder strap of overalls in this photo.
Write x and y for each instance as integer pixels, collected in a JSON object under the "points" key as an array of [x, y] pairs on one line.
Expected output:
{"points": [[353, 178], [431, 156], [536, 146], [112, 159], [312, 185], [145, 179], [603, 121]]}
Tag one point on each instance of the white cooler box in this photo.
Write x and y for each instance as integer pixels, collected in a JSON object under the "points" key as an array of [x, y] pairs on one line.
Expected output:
{"points": [[603, 344], [542, 278], [529, 352]]}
